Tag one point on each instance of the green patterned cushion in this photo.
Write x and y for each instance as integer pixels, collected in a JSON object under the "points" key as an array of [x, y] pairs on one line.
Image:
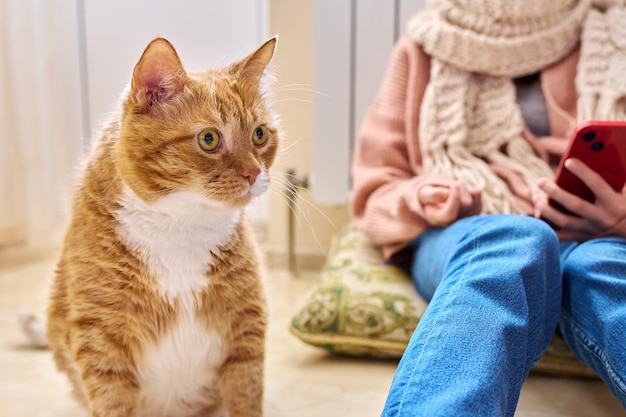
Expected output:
{"points": [[360, 306], [363, 307]]}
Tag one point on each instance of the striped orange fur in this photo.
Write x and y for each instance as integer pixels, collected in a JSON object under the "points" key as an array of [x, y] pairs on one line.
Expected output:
{"points": [[157, 307]]}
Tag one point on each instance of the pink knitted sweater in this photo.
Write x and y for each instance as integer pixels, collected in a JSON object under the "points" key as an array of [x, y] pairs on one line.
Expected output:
{"points": [[387, 171]]}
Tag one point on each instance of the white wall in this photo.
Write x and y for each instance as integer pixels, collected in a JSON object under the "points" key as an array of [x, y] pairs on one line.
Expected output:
{"points": [[204, 33], [40, 116]]}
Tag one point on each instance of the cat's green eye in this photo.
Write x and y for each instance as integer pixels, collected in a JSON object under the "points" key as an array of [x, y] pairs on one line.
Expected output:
{"points": [[259, 136], [209, 139]]}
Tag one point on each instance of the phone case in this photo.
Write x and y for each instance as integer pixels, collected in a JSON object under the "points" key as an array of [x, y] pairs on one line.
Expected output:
{"points": [[601, 145]]}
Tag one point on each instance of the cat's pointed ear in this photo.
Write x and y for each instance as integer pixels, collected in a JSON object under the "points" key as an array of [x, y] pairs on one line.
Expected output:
{"points": [[158, 75], [254, 65]]}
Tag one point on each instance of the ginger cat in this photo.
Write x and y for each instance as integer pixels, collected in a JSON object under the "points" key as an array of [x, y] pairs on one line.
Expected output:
{"points": [[157, 307]]}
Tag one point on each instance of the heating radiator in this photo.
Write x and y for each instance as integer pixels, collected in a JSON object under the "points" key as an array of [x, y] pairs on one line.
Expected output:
{"points": [[352, 44]]}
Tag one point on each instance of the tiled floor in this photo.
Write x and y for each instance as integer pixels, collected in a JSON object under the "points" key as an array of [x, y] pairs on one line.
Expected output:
{"points": [[301, 381]]}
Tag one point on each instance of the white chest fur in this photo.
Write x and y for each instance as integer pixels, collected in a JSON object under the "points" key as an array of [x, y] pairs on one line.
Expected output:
{"points": [[174, 372], [176, 236]]}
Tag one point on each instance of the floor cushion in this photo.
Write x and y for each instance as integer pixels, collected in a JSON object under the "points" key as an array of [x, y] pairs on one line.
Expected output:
{"points": [[361, 306]]}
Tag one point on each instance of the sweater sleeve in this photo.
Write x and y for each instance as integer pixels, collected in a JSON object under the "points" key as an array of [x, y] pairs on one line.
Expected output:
{"points": [[386, 167]]}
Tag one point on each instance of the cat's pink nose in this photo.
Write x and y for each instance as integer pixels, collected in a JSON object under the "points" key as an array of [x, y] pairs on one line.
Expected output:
{"points": [[251, 174]]}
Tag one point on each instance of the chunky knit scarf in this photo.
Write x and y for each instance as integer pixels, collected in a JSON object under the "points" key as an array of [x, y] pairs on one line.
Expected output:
{"points": [[470, 123]]}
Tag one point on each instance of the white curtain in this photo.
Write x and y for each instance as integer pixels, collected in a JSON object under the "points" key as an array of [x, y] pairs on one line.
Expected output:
{"points": [[41, 122]]}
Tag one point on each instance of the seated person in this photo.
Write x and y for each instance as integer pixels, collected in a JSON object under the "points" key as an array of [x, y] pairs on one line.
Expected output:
{"points": [[454, 166]]}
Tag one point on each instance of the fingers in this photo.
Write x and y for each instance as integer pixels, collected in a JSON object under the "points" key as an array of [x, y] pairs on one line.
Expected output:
{"points": [[465, 197], [573, 218], [444, 204], [433, 194], [476, 206], [438, 203], [439, 194], [452, 205], [588, 217], [593, 180], [569, 201], [567, 227]]}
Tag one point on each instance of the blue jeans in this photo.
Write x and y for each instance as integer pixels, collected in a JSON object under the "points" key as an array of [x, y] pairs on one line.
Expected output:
{"points": [[497, 286]]}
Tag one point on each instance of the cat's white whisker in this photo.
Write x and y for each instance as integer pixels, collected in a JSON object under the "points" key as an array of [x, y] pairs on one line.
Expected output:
{"points": [[299, 214], [302, 204], [286, 100], [285, 147], [300, 87]]}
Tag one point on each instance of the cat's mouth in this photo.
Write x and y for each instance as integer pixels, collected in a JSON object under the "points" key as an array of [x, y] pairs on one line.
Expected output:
{"points": [[258, 187]]}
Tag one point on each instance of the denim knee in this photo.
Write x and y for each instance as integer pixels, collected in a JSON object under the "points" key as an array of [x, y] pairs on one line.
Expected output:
{"points": [[594, 269], [522, 254], [502, 247], [593, 320], [525, 235]]}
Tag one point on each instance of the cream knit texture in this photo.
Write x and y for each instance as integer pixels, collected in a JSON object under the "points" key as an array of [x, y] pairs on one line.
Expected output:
{"points": [[470, 123], [601, 80], [507, 38]]}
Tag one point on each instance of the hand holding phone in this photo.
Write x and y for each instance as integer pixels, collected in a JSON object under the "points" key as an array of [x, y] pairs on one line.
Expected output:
{"points": [[601, 145]]}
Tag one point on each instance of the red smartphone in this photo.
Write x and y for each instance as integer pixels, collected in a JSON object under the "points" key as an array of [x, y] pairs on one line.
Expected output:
{"points": [[601, 145]]}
